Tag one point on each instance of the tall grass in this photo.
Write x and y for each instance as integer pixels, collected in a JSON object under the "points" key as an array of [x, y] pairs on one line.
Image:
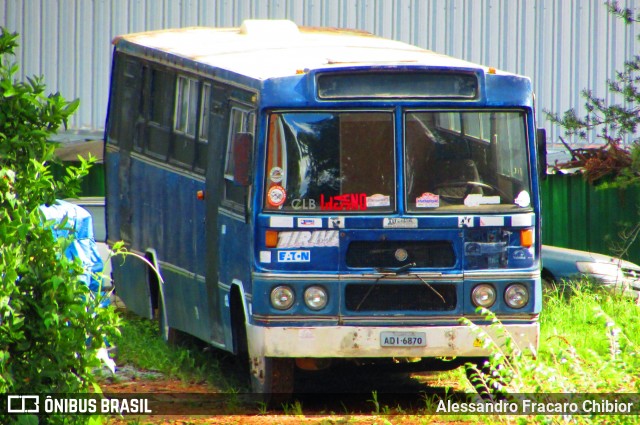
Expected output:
{"points": [[589, 344], [191, 360], [592, 336], [579, 308]]}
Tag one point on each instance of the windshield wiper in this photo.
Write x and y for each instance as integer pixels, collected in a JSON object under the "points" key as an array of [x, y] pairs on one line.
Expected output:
{"points": [[386, 272], [400, 270], [430, 287], [406, 270]]}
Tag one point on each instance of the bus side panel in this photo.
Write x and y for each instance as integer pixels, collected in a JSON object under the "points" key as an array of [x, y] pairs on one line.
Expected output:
{"points": [[186, 300], [130, 277], [235, 262], [168, 221], [167, 216], [112, 187], [129, 273]]}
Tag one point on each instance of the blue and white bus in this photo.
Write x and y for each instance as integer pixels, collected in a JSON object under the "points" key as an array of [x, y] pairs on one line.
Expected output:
{"points": [[313, 196]]}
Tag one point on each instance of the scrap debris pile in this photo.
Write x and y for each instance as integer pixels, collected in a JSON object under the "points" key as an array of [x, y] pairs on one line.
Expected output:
{"points": [[599, 162]]}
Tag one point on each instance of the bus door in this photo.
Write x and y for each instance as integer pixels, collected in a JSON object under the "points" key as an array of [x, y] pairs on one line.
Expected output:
{"points": [[228, 232], [234, 230], [218, 120]]}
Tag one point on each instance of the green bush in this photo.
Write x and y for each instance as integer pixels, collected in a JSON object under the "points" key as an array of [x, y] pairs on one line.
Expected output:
{"points": [[51, 325]]}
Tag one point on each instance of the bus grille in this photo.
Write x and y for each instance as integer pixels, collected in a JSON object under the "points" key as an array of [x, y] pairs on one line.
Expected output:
{"points": [[433, 254], [400, 297]]}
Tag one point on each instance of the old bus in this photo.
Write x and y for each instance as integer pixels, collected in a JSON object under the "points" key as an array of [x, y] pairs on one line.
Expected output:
{"points": [[315, 195]]}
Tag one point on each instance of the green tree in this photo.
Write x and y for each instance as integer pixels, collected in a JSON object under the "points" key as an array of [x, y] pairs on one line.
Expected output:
{"points": [[611, 122], [51, 325]]}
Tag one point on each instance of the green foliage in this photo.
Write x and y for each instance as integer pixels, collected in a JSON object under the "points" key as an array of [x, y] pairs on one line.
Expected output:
{"points": [[51, 325]]}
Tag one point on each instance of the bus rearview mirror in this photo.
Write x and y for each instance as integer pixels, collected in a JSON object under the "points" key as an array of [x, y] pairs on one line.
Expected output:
{"points": [[541, 141], [242, 143]]}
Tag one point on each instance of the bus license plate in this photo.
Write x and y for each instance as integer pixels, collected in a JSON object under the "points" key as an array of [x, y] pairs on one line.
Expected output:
{"points": [[403, 339]]}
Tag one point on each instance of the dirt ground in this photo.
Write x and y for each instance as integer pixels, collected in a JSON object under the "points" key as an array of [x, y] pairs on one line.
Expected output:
{"points": [[342, 395], [401, 400]]}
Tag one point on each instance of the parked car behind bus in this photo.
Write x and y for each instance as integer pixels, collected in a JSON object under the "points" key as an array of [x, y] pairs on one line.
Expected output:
{"points": [[560, 264]]}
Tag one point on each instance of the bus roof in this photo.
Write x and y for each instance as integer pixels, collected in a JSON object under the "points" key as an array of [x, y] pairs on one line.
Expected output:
{"points": [[264, 49]]}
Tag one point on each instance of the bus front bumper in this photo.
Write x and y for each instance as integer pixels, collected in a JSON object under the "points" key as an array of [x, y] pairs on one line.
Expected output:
{"points": [[356, 341]]}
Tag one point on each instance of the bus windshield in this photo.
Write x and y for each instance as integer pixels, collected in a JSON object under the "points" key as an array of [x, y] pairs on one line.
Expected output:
{"points": [[330, 161], [465, 161]]}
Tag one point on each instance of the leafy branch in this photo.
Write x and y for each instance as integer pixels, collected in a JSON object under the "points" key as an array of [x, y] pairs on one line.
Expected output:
{"points": [[613, 122]]}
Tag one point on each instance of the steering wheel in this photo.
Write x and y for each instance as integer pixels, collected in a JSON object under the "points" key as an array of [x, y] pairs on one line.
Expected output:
{"points": [[460, 195]]}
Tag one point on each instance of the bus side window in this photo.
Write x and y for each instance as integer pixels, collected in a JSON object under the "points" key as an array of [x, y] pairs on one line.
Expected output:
{"points": [[142, 114], [241, 121], [128, 76], [161, 113], [203, 132], [184, 121]]}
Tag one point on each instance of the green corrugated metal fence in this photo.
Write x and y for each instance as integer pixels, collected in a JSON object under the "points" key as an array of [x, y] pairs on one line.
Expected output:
{"points": [[577, 215]]}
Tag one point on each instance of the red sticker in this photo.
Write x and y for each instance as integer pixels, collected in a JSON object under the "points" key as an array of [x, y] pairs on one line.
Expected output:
{"points": [[276, 196], [347, 201]]}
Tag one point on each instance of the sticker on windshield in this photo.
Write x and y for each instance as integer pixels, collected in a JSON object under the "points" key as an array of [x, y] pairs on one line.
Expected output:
{"points": [[276, 196], [378, 200], [276, 174], [345, 202], [477, 199], [523, 199], [428, 200]]}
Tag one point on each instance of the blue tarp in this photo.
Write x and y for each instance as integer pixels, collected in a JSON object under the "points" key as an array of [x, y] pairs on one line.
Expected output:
{"points": [[84, 247]]}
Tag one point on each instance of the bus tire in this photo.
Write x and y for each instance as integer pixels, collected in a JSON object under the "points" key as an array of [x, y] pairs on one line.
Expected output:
{"points": [[272, 379]]}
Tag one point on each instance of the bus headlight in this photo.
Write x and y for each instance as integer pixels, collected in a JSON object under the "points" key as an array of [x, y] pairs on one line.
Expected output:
{"points": [[516, 295], [483, 295], [282, 297], [315, 297]]}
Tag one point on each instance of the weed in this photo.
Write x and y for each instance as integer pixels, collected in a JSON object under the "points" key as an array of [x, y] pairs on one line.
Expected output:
{"points": [[141, 345], [294, 409], [263, 408], [376, 403]]}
